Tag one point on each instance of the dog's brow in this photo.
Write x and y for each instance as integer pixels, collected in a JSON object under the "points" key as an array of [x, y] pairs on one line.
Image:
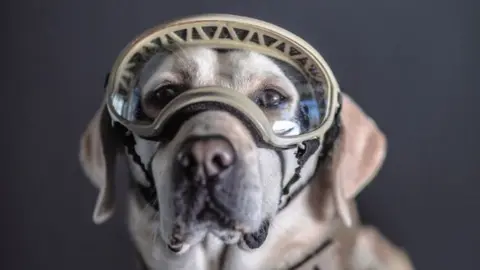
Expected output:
{"points": [[161, 78], [244, 71], [195, 66], [150, 75], [247, 71]]}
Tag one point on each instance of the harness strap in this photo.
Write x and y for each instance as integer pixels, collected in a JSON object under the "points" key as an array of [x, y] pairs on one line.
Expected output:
{"points": [[316, 252], [303, 153], [148, 192]]}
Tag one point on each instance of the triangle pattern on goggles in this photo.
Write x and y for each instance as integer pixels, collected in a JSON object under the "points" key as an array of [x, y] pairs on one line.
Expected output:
{"points": [[223, 32]]}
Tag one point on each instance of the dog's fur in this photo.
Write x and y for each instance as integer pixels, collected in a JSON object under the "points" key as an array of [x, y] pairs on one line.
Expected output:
{"points": [[324, 209]]}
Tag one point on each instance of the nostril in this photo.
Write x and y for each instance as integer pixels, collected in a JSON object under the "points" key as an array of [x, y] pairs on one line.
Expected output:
{"points": [[222, 160], [215, 165], [185, 159], [218, 163]]}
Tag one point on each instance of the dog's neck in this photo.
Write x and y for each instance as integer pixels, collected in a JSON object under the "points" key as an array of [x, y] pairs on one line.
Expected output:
{"points": [[311, 215], [297, 231], [291, 237]]}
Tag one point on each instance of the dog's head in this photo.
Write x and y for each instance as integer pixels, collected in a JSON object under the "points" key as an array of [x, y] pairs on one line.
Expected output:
{"points": [[212, 175]]}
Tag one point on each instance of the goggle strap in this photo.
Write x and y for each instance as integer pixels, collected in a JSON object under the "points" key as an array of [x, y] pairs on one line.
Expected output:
{"points": [[304, 152], [149, 192]]}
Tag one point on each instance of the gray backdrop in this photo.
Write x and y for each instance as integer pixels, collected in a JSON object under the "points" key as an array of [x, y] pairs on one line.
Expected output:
{"points": [[410, 63]]}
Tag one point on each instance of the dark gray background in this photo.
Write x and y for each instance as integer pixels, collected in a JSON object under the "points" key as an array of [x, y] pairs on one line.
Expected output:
{"points": [[411, 64]]}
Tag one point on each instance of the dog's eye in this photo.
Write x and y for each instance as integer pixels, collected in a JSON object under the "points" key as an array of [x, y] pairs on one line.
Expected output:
{"points": [[270, 99], [163, 95]]}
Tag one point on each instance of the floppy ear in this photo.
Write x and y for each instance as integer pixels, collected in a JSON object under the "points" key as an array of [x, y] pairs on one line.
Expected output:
{"points": [[98, 149], [359, 154]]}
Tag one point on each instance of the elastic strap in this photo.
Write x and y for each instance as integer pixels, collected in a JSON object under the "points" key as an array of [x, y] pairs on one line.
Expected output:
{"points": [[304, 152], [148, 192]]}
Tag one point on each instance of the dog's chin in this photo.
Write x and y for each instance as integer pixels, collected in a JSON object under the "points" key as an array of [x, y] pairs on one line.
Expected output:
{"points": [[228, 237], [187, 235], [202, 210], [191, 239], [245, 241]]}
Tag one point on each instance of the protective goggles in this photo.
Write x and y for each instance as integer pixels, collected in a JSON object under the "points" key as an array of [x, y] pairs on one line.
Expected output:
{"points": [[279, 84]]}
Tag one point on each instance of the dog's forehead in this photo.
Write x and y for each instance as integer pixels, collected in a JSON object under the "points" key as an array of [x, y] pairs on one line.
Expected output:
{"points": [[193, 62], [196, 63], [249, 71], [201, 66], [236, 62], [248, 63]]}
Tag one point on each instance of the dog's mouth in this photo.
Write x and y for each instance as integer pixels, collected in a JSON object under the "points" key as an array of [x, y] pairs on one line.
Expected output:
{"points": [[194, 202], [196, 206], [216, 190], [208, 219], [199, 212]]}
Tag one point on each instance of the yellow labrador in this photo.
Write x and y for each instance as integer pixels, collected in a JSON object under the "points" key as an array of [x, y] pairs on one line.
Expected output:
{"points": [[318, 229]]}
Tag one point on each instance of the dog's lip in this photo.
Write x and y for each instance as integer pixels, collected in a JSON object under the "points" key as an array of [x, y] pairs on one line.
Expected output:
{"points": [[215, 217], [227, 233], [206, 209], [228, 237], [179, 248]]}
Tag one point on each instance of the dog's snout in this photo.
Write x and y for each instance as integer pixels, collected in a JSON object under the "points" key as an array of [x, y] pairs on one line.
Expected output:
{"points": [[212, 155]]}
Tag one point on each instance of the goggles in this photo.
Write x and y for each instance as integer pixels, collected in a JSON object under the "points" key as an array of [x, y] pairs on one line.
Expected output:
{"points": [[279, 84]]}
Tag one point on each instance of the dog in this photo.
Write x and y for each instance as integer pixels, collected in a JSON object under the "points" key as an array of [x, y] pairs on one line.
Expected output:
{"points": [[318, 229]]}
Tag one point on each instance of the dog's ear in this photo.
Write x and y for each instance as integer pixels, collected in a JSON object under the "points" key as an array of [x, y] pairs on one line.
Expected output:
{"points": [[358, 155], [98, 148]]}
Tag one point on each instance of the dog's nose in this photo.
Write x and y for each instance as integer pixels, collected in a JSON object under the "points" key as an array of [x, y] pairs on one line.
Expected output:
{"points": [[213, 155]]}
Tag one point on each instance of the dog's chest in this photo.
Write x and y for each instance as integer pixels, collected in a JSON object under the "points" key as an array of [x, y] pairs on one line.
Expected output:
{"points": [[214, 250], [324, 257], [294, 242]]}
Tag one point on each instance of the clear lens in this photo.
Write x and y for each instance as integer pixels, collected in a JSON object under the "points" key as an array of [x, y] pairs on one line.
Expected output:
{"points": [[292, 103]]}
